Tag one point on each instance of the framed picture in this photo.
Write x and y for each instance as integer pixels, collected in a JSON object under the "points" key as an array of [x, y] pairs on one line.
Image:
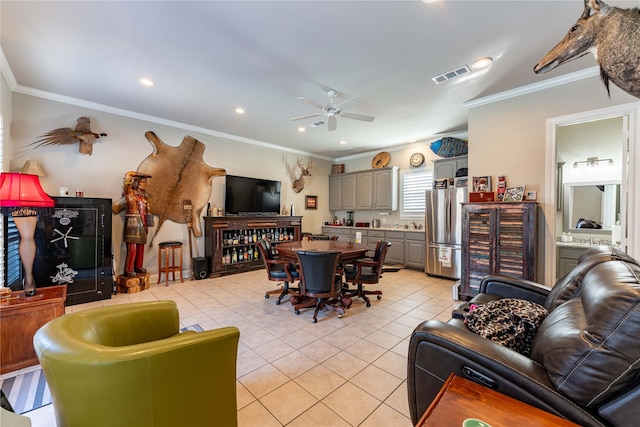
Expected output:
{"points": [[311, 202], [513, 194], [481, 184]]}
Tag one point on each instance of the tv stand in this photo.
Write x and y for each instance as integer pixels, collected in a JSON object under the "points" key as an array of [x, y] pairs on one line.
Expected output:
{"points": [[219, 229]]}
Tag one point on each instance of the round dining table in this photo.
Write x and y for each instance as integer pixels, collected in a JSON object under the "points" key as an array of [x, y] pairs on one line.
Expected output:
{"points": [[349, 251]]}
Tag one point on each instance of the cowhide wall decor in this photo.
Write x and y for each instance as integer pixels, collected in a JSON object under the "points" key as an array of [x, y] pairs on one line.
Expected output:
{"points": [[178, 174]]}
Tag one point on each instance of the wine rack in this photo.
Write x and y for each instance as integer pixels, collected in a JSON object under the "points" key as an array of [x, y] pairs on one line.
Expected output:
{"points": [[231, 243]]}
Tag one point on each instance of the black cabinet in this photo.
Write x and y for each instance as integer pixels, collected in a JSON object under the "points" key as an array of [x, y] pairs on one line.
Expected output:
{"points": [[74, 247]]}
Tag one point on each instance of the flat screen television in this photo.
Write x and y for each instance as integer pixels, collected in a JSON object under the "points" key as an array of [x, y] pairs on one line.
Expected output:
{"points": [[251, 196]]}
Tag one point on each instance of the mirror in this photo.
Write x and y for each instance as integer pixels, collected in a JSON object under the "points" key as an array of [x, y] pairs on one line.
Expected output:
{"points": [[599, 202]]}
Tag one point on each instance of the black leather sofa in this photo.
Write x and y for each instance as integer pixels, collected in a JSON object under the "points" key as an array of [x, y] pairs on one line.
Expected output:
{"points": [[585, 358]]}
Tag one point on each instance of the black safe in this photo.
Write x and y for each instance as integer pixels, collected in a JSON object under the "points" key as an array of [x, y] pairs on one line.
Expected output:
{"points": [[73, 247]]}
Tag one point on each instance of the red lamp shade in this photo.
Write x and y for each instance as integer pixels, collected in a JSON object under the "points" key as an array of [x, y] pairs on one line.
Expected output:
{"points": [[18, 190]]}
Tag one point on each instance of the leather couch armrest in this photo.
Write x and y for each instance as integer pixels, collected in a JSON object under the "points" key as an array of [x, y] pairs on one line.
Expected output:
{"points": [[437, 349], [511, 287]]}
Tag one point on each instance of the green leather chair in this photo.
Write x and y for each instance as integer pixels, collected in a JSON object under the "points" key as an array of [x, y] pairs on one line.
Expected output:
{"points": [[129, 366]]}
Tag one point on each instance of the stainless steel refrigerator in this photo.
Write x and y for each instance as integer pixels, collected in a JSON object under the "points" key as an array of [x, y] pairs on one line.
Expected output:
{"points": [[444, 231]]}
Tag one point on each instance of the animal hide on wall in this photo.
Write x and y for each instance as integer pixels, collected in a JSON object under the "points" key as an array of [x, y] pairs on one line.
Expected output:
{"points": [[178, 174]]}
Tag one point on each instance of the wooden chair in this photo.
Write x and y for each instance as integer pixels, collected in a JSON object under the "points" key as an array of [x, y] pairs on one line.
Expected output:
{"points": [[366, 271], [322, 237], [320, 283], [278, 270]]}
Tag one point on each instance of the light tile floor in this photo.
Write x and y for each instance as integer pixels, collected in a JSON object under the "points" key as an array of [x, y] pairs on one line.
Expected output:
{"points": [[348, 371]]}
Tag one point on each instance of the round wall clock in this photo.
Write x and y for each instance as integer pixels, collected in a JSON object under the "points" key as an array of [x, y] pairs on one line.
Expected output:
{"points": [[416, 159], [380, 160]]}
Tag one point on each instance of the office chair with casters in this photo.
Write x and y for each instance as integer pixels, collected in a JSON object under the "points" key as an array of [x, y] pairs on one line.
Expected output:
{"points": [[278, 270], [128, 365], [366, 271], [320, 283]]}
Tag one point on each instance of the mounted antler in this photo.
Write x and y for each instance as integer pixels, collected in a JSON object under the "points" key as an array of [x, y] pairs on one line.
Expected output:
{"points": [[298, 184]]}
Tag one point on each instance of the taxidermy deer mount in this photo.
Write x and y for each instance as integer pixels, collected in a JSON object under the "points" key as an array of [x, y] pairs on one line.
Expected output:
{"points": [[298, 184], [612, 35]]}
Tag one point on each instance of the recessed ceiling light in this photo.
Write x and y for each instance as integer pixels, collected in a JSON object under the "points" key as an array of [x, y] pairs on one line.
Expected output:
{"points": [[482, 63], [239, 110], [146, 81], [302, 129], [343, 142]]}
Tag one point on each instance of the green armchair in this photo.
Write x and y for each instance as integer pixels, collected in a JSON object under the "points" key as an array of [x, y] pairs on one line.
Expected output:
{"points": [[129, 366]]}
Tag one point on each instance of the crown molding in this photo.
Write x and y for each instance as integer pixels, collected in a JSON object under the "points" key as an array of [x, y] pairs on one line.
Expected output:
{"points": [[534, 87]]}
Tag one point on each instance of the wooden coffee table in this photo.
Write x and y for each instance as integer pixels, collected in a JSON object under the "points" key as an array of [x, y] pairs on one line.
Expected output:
{"points": [[20, 317], [460, 400]]}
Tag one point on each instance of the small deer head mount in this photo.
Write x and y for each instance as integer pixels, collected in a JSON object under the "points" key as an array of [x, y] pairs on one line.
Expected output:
{"points": [[298, 184]]}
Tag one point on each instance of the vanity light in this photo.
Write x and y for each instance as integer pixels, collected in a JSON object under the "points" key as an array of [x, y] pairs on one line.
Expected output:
{"points": [[592, 162]]}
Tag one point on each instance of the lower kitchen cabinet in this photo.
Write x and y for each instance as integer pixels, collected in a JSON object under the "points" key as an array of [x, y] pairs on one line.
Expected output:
{"points": [[414, 247], [407, 247], [395, 255]]}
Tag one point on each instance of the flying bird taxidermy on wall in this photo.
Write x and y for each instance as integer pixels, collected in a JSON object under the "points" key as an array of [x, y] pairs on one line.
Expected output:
{"points": [[612, 35], [66, 136]]}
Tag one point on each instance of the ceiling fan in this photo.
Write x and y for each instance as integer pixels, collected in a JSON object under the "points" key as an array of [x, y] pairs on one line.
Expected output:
{"points": [[332, 110]]}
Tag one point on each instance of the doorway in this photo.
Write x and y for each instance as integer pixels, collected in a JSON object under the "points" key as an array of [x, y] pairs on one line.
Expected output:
{"points": [[568, 144]]}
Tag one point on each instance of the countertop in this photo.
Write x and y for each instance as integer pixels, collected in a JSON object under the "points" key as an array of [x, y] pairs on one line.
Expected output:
{"points": [[582, 244], [411, 229]]}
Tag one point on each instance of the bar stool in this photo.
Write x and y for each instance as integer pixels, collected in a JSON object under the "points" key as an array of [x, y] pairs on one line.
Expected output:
{"points": [[164, 250]]}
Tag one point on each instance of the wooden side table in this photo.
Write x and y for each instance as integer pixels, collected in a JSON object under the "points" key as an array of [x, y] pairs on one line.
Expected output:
{"points": [[460, 400], [20, 318]]}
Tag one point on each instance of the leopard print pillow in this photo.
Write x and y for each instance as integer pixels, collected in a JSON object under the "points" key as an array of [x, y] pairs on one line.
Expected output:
{"points": [[509, 322]]}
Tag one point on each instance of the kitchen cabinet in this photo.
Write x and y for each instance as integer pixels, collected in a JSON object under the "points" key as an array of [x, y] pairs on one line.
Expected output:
{"points": [[350, 192], [335, 192], [395, 255], [229, 235], [407, 247], [366, 190], [414, 250], [497, 238], [446, 168]]}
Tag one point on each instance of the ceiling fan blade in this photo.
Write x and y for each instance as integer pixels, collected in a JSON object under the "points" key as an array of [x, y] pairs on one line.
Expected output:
{"points": [[347, 100], [307, 116], [355, 116], [332, 123], [310, 102]]}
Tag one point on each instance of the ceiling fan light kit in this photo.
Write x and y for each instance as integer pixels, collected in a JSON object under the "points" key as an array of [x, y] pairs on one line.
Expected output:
{"points": [[331, 111]]}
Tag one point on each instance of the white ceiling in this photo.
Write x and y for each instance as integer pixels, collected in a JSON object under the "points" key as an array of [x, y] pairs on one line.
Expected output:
{"points": [[209, 57]]}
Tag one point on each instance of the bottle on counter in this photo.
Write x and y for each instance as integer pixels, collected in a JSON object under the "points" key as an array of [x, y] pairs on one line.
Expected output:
{"points": [[616, 233]]}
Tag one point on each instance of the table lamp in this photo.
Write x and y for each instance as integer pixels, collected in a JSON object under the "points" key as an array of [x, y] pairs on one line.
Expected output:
{"points": [[22, 197]]}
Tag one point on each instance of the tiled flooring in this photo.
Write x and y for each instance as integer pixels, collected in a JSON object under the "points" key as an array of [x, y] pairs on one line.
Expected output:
{"points": [[292, 372]]}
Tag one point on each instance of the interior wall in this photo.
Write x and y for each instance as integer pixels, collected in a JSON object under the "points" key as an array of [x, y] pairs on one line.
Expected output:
{"points": [[125, 147], [508, 138], [6, 112]]}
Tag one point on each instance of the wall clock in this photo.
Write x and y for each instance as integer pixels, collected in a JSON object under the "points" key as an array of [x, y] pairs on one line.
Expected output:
{"points": [[416, 159]]}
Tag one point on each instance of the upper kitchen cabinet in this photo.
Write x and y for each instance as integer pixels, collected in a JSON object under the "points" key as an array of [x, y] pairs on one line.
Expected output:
{"points": [[368, 190], [447, 168]]}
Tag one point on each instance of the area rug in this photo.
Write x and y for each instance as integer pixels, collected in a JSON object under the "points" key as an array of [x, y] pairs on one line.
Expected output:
{"points": [[30, 391], [27, 392]]}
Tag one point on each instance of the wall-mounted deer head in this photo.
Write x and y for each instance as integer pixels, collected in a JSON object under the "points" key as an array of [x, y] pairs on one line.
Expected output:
{"points": [[298, 184]]}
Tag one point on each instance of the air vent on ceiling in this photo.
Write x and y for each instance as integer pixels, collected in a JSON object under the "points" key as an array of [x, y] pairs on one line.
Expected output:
{"points": [[318, 123], [460, 71]]}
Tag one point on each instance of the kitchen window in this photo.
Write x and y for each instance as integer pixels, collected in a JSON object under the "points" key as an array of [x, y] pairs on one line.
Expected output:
{"points": [[413, 188]]}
